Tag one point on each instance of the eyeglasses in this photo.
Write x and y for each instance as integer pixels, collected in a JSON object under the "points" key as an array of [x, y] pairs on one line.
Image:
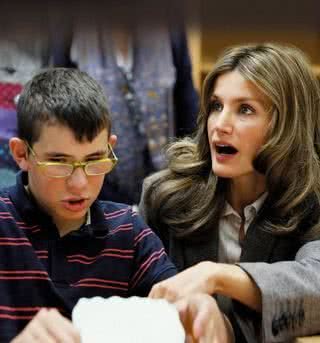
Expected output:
{"points": [[91, 168]]}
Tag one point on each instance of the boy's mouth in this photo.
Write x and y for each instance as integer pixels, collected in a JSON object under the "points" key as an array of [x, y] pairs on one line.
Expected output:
{"points": [[75, 204], [76, 201]]}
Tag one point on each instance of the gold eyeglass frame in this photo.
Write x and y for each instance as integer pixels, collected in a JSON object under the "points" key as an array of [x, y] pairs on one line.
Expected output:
{"points": [[76, 164]]}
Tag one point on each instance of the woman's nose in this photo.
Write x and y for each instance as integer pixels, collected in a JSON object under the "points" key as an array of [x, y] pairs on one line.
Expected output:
{"points": [[224, 122]]}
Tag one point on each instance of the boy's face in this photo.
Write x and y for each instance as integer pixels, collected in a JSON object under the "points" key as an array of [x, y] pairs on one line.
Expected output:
{"points": [[66, 199]]}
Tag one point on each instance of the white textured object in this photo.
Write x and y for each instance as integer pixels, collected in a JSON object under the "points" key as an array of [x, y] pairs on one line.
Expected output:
{"points": [[132, 320]]}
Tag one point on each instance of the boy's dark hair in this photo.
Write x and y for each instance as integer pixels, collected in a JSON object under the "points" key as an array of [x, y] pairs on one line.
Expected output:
{"points": [[62, 96]]}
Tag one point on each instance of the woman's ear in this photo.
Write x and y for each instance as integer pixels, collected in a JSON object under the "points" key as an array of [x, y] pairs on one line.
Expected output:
{"points": [[19, 152]]}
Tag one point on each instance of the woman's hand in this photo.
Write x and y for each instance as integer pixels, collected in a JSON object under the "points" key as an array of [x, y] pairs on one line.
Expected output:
{"points": [[203, 321], [211, 278], [197, 279], [48, 326]]}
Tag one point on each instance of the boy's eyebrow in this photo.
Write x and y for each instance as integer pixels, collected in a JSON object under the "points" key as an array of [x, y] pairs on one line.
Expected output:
{"points": [[62, 154], [98, 153]]}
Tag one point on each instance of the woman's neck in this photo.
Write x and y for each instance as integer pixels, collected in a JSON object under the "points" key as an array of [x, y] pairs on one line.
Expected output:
{"points": [[245, 191]]}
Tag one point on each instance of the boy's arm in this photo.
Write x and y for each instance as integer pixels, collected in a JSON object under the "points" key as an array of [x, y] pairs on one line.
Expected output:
{"points": [[151, 263]]}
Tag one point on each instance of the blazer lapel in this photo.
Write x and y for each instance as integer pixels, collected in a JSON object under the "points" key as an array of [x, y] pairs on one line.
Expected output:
{"points": [[202, 249], [258, 243]]}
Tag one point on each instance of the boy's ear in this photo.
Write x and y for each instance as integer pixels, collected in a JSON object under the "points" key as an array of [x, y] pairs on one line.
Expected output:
{"points": [[113, 140], [19, 152]]}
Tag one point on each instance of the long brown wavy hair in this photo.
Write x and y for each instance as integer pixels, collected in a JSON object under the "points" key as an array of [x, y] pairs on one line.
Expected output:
{"points": [[187, 197]]}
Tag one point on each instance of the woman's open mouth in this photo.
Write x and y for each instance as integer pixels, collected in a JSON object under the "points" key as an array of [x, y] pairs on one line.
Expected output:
{"points": [[223, 149], [224, 152]]}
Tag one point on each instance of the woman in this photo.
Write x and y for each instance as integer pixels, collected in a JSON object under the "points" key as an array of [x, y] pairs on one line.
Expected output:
{"points": [[239, 202]]}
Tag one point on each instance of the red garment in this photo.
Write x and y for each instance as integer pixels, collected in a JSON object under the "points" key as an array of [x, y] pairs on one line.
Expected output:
{"points": [[8, 91]]}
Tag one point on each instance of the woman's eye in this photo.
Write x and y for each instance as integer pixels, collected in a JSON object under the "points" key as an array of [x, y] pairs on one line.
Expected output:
{"points": [[245, 109], [215, 106]]}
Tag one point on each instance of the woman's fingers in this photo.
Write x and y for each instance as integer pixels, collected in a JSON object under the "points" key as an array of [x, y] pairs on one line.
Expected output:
{"points": [[196, 279], [164, 290], [202, 319]]}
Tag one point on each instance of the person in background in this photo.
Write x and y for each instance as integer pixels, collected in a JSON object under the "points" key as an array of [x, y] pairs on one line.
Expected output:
{"points": [[145, 71], [238, 206], [24, 50], [58, 243]]}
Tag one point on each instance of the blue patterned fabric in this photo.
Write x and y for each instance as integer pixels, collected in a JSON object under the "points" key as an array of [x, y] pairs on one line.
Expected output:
{"points": [[21, 56], [8, 123]]}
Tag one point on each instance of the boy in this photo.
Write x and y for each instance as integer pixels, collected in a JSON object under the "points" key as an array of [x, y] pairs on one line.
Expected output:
{"points": [[58, 243]]}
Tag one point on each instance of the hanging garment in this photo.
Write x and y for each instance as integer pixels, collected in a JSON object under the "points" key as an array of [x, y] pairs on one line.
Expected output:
{"points": [[20, 59], [141, 102], [8, 123]]}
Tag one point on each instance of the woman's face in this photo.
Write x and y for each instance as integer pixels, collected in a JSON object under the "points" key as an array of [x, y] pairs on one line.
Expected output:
{"points": [[237, 125]]}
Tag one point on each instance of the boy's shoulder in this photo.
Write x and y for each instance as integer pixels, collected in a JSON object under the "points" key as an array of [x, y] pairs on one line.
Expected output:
{"points": [[5, 198], [115, 213], [113, 206], [120, 220], [114, 209], [119, 215]]}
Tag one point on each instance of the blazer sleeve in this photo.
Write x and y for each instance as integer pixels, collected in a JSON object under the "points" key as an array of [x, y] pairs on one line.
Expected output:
{"points": [[290, 294]]}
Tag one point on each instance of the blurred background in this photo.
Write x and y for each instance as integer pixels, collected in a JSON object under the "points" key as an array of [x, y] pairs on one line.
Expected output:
{"points": [[214, 25], [178, 42]]}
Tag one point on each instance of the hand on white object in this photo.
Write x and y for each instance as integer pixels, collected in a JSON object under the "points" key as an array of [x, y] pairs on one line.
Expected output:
{"points": [[48, 326], [203, 321], [132, 320]]}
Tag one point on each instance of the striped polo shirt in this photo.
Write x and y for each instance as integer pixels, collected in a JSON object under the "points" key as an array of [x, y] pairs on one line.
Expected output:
{"points": [[116, 254]]}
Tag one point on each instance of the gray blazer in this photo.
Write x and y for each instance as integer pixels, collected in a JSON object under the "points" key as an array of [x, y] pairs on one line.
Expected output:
{"points": [[285, 268]]}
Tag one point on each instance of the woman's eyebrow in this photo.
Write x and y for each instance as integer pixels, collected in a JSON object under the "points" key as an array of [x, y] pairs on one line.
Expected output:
{"points": [[213, 97], [254, 99]]}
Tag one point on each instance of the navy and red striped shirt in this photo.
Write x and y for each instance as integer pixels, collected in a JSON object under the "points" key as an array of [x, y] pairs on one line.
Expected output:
{"points": [[117, 254]]}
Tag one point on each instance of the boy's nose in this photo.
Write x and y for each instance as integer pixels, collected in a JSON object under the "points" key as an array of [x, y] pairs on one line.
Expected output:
{"points": [[78, 179]]}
